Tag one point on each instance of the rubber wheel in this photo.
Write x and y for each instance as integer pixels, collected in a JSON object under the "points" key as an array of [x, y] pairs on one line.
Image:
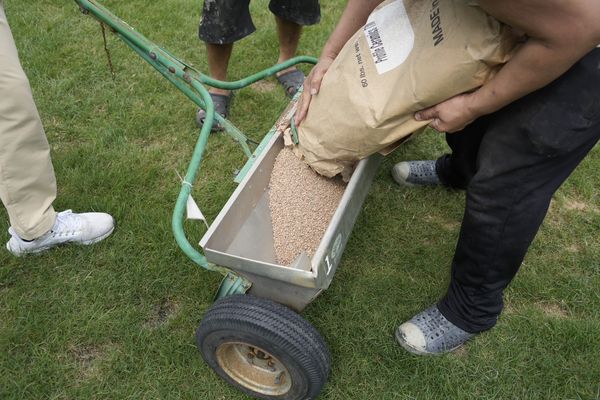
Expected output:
{"points": [[263, 348]]}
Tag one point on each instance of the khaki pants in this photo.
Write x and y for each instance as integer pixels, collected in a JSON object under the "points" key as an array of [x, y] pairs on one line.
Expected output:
{"points": [[27, 182]]}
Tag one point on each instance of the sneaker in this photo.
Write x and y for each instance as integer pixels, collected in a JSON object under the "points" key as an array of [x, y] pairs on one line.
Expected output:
{"points": [[429, 332], [413, 173], [86, 228]]}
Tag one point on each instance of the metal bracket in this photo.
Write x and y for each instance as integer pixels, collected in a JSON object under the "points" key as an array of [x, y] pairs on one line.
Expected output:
{"points": [[232, 284]]}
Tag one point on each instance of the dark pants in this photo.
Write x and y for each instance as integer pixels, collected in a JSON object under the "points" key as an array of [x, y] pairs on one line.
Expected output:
{"points": [[227, 21], [511, 163]]}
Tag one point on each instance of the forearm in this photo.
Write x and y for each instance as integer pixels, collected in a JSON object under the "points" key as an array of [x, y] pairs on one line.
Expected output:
{"points": [[354, 16], [560, 33], [533, 66]]}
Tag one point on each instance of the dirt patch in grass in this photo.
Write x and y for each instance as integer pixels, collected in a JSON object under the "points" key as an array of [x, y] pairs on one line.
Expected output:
{"points": [[162, 313], [574, 248], [461, 352], [509, 308], [554, 310], [571, 204], [574, 204], [561, 212], [444, 223], [264, 86], [86, 357], [428, 242]]}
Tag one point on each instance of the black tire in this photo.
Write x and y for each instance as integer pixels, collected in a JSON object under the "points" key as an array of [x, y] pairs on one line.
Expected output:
{"points": [[249, 340]]}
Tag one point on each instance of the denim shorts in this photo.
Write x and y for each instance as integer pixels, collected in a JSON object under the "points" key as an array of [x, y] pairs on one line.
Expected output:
{"points": [[227, 21]]}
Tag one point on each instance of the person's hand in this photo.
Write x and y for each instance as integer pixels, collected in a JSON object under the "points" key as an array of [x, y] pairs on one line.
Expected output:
{"points": [[312, 84], [451, 115]]}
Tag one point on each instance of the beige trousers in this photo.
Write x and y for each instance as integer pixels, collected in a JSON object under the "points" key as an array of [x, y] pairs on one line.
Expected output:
{"points": [[27, 182]]}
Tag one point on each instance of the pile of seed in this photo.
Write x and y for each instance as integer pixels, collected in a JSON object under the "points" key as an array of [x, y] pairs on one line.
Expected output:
{"points": [[302, 204]]}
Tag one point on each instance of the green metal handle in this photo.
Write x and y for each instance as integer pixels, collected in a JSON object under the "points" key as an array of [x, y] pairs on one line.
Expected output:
{"points": [[258, 76], [172, 69], [189, 81]]}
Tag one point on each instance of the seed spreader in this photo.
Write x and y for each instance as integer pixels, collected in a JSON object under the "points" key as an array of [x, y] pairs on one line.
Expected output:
{"points": [[252, 336]]}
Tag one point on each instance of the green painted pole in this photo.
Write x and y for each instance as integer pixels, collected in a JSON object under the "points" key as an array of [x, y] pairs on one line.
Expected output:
{"points": [[189, 81]]}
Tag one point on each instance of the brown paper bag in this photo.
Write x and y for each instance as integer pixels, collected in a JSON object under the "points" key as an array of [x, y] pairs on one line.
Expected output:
{"points": [[410, 55]]}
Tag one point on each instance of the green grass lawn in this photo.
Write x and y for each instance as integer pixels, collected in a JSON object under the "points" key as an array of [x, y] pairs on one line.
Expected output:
{"points": [[116, 320]]}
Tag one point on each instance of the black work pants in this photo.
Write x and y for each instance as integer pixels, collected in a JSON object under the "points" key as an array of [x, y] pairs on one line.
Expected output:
{"points": [[511, 163]]}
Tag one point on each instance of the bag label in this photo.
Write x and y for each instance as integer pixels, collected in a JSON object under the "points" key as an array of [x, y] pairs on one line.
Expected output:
{"points": [[390, 36], [436, 23]]}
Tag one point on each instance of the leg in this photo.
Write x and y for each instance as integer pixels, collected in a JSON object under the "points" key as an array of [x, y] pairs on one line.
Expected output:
{"points": [[218, 61], [288, 33], [528, 151], [289, 36], [223, 23], [27, 182], [453, 170], [458, 168], [290, 16]]}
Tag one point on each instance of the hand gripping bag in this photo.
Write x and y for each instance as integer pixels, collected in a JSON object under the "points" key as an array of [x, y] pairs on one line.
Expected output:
{"points": [[410, 55]]}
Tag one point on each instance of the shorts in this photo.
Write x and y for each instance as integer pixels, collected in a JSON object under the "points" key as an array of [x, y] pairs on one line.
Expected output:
{"points": [[227, 21]]}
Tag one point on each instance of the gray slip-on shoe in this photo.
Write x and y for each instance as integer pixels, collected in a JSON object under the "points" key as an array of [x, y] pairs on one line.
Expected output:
{"points": [[416, 173], [222, 104], [291, 81], [430, 333]]}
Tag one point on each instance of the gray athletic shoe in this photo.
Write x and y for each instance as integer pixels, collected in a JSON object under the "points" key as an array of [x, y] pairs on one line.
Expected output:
{"points": [[85, 228], [429, 332], [413, 173]]}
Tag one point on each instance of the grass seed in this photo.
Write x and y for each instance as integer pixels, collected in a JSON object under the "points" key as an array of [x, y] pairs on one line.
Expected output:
{"points": [[302, 204]]}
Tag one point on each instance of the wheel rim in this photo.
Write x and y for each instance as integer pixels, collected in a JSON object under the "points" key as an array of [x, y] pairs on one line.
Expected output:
{"points": [[254, 368]]}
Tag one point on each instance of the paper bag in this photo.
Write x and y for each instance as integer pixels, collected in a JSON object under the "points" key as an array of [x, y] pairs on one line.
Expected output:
{"points": [[410, 55]]}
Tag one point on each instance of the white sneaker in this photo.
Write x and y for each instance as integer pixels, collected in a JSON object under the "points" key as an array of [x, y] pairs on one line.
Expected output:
{"points": [[85, 228]]}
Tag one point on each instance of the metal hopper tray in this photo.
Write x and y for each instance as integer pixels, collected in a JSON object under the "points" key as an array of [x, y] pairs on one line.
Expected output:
{"points": [[241, 237]]}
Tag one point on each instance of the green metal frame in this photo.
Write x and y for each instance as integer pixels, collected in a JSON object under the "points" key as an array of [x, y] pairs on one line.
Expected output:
{"points": [[190, 81]]}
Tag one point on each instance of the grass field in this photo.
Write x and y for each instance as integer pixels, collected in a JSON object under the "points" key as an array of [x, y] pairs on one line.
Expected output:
{"points": [[116, 320]]}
